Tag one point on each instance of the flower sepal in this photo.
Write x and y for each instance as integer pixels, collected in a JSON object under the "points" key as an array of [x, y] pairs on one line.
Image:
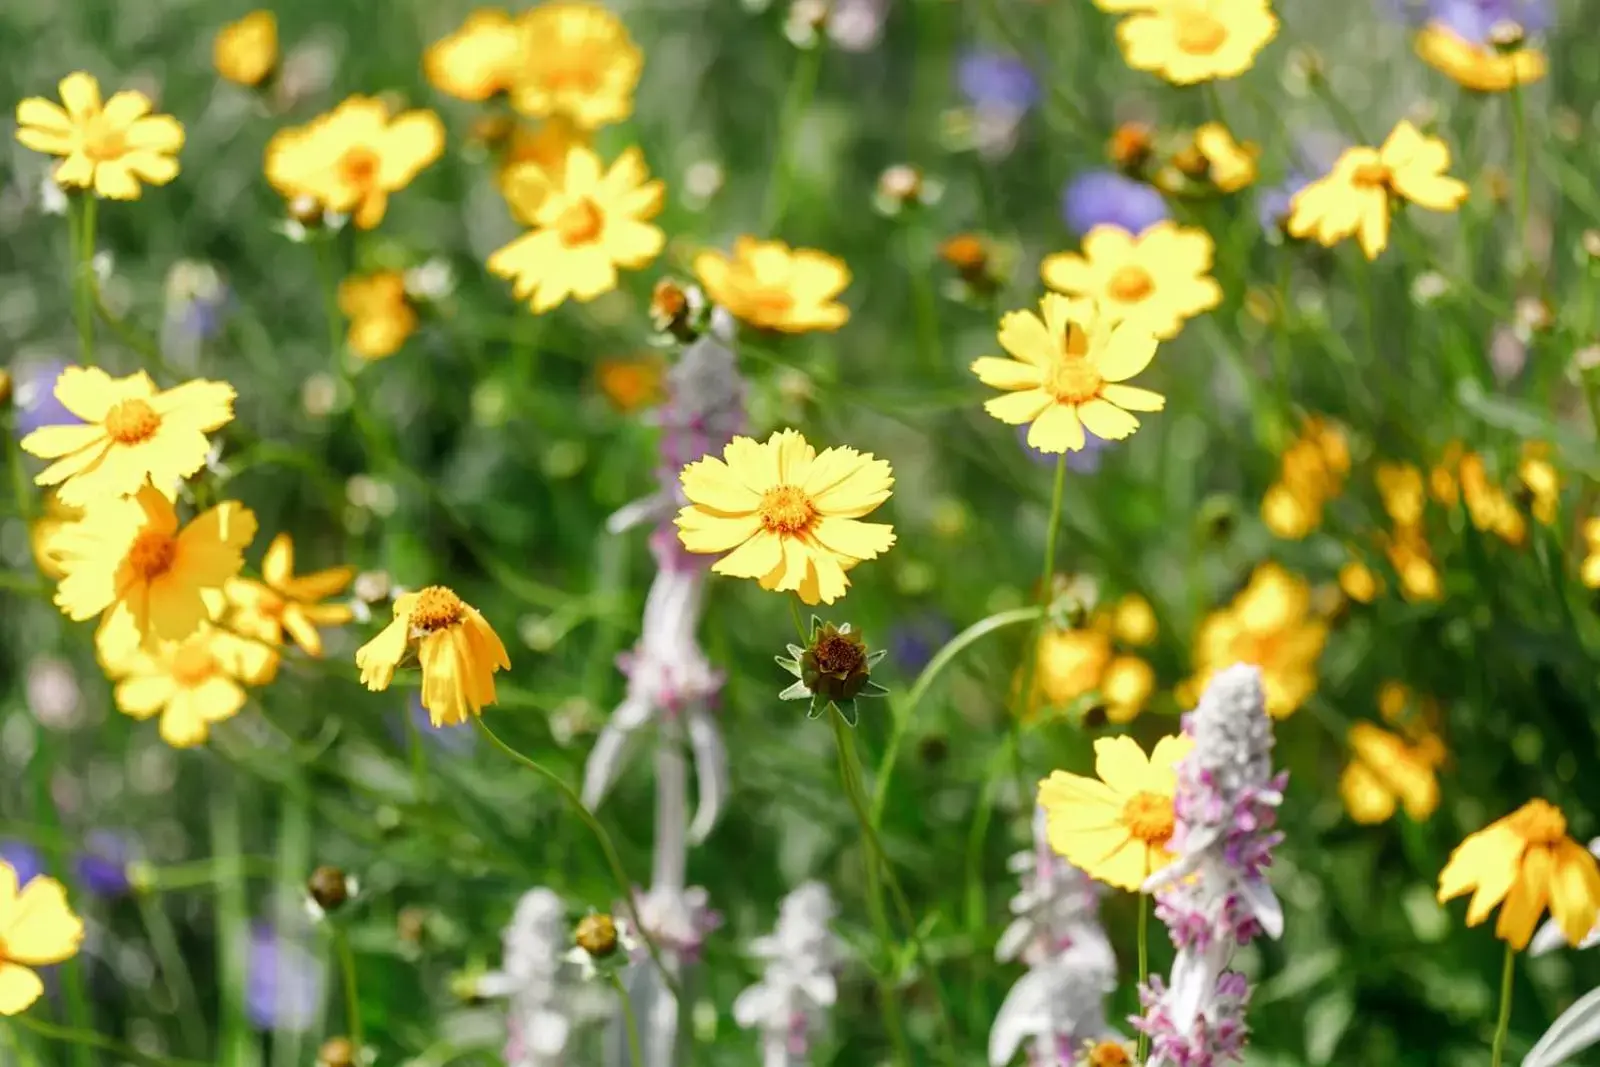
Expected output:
{"points": [[834, 671]]}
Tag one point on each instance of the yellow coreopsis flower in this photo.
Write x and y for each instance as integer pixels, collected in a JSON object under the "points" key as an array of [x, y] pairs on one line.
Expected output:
{"points": [[588, 222], [191, 684], [1525, 862], [1311, 474], [130, 432], [1386, 771], [352, 158], [1488, 506], [1066, 374], [381, 317], [1069, 664], [128, 557], [1158, 279], [774, 287], [458, 649], [1269, 624], [1541, 481], [289, 603], [1133, 620], [246, 51], [42, 534], [786, 515], [482, 58], [1478, 66], [108, 148], [1116, 827], [1358, 582], [1127, 685], [37, 928], [1412, 559], [1355, 198], [1231, 165], [580, 62], [1189, 41], [534, 160]]}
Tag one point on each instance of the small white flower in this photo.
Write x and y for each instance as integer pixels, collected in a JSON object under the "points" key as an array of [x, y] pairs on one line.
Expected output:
{"points": [[431, 282]]}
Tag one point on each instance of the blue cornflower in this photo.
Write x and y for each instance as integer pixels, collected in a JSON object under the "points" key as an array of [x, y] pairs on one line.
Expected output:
{"points": [[996, 81], [1104, 197]]}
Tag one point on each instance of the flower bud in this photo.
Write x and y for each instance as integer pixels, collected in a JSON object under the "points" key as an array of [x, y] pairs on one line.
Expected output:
{"points": [[834, 669], [1130, 145], [329, 888], [337, 1052], [1507, 36], [597, 935]]}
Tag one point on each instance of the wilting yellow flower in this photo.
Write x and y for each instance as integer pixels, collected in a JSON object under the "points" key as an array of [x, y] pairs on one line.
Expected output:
{"points": [[1066, 373], [586, 225], [130, 433], [1311, 474], [456, 646], [1358, 582], [1541, 480], [37, 928], [772, 286], [381, 317], [1189, 41], [247, 51], [482, 58], [1269, 624], [1355, 198], [1385, 771], [191, 684], [1116, 828], [1231, 165], [790, 516], [580, 62], [1525, 862], [1480, 67], [353, 157], [128, 557], [1488, 506], [289, 603], [631, 384], [1157, 279], [108, 148]]}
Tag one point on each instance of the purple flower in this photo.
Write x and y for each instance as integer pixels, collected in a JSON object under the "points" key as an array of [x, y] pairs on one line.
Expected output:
{"points": [[34, 394], [22, 858], [912, 642], [102, 866], [1084, 461], [996, 81], [1472, 20], [283, 983], [1101, 197]]}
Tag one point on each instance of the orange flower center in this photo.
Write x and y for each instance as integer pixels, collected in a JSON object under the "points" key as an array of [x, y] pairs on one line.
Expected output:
{"points": [[103, 143], [1541, 823], [436, 608], [579, 73], [192, 664], [359, 167], [1199, 33], [1149, 818], [152, 554], [1073, 379], [1107, 1054], [131, 422], [1130, 283], [580, 223], [1371, 176], [786, 510]]}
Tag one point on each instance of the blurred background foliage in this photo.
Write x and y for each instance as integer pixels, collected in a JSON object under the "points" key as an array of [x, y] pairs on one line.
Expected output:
{"points": [[494, 455]]}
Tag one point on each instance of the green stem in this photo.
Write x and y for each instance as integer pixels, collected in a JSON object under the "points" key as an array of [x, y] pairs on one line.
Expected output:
{"points": [[802, 87], [1502, 1026], [630, 1021], [83, 276], [74, 987], [1144, 964], [174, 971], [925, 304], [236, 1044], [352, 995], [1030, 660], [88, 1040], [613, 860], [1519, 133]]}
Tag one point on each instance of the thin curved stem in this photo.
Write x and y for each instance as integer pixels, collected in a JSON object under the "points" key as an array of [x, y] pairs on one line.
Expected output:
{"points": [[90, 1039], [1503, 1025], [630, 1021], [1144, 965], [352, 995], [83, 280], [613, 860], [1519, 134]]}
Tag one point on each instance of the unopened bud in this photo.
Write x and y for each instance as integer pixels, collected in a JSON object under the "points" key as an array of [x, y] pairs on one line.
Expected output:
{"points": [[597, 935], [329, 887], [1507, 35], [337, 1052], [1130, 145]]}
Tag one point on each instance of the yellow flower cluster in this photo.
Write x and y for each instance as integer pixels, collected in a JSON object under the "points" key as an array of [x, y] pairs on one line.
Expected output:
{"points": [[1270, 624], [1311, 474], [1400, 486], [1074, 663], [1390, 770]]}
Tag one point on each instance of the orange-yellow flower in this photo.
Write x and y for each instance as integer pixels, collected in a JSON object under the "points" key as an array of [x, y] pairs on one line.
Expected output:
{"points": [[191, 684], [246, 51], [774, 287], [1269, 624], [37, 928], [1386, 770], [1189, 41], [381, 317], [1478, 66], [1230, 165], [1157, 279], [482, 58], [108, 148], [1311, 474], [289, 603], [580, 62], [458, 649]]}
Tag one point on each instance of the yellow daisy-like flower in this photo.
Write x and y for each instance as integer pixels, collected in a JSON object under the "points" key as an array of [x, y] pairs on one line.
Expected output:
{"points": [[130, 433], [1159, 278], [1386, 771], [1069, 664], [1116, 829], [588, 222], [580, 62], [1525, 862], [37, 928], [289, 603], [354, 157], [458, 649], [1133, 620], [191, 684], [1480, 67], [1189, 41], [1269, 624], [774, 287], [128, 557], [482, 58], [381, 317], [1066, 373], [1231, 165], [109, 148], [785, 514], [533, 160], [246, 51], [1354, 199]]}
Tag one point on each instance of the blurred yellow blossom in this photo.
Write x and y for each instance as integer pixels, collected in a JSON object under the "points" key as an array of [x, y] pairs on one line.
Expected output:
{"points": [[246, 51], [37, 928], [534, 160], [480, 59], [1073, 663], [1488, 506], [352, 158], [108, 148], [1069, 664], [631, 384], [381, 316], [1311, 474], [1590, 569], [1158, 278], [1231, 165], [1269, 624], [1412, 559], [42, 534], [774, 287], [1400, 489], [1356, 198], [579, 62], [1126, 687], [1358, 582], [1541, 481], [589, 221], [191, 684], [1134, 621], [1189, 41], [1066, 374], [1385, 771], [457, 648], [285, 602], [786, 515], [1480, 67], [130, 432]]}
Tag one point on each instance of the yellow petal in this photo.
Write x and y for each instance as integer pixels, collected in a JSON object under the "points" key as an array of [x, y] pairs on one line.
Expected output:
{"points": [[851, 537], [379, 657], [754, 559], [1023, 334], [1519, 915], [1057, 429], [1007, 373], [1574, 890], [1014, 409], [19, 988], [1122, 765], [1132, 398], [39, 927], [1106, 420], [1127, 351]]}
